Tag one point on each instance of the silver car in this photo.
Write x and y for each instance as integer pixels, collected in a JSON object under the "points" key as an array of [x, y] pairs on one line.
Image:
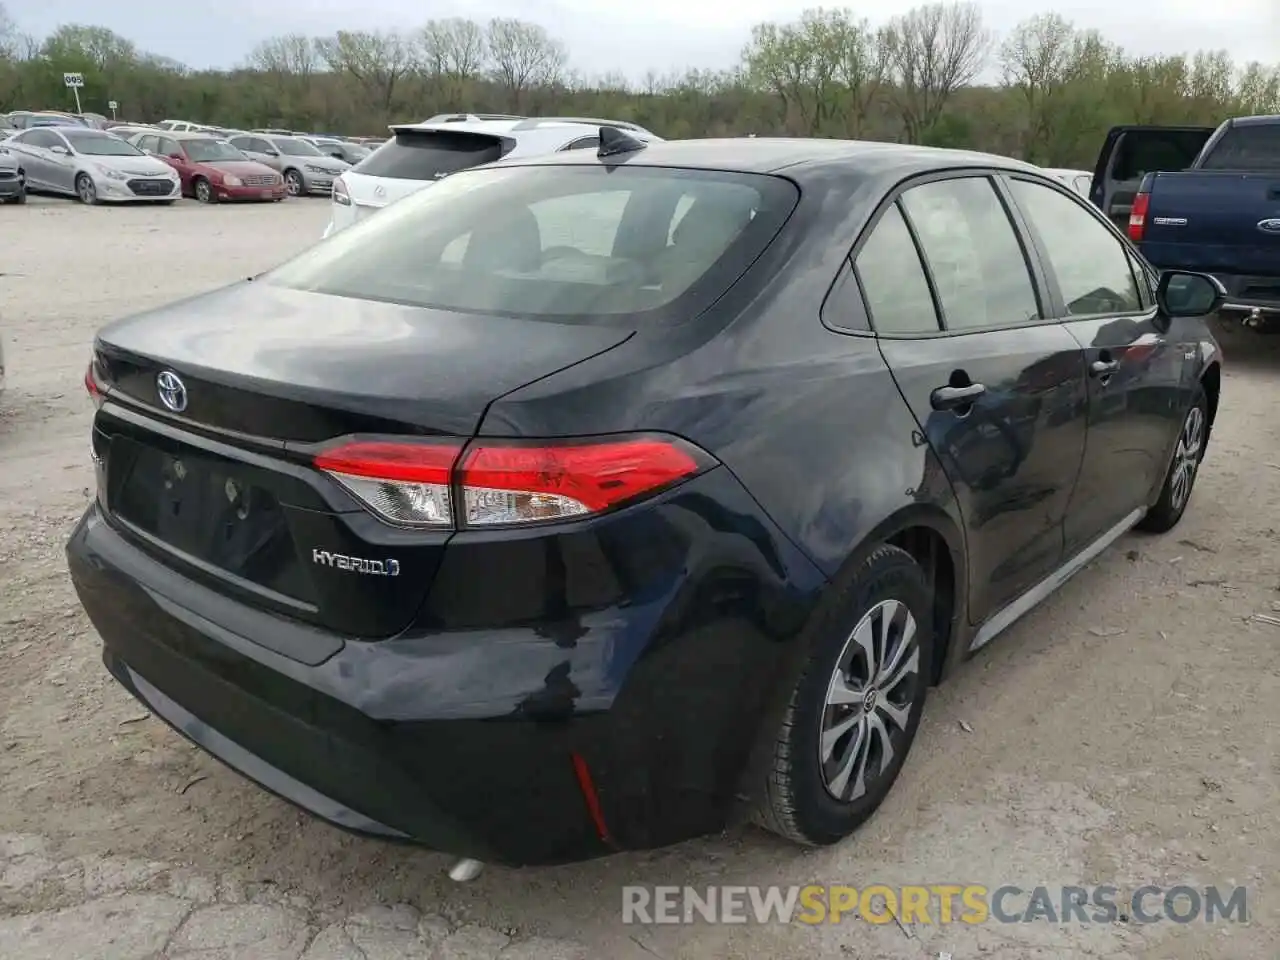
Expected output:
{"points": [[305, 168], [96, 166], [13, 186]]}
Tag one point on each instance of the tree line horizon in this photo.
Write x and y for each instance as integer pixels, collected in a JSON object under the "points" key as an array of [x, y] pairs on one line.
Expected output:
{"points": [[827, 73]]}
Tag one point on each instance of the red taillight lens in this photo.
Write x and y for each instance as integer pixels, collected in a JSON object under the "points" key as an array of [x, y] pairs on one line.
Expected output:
{"points": [[1138, 216], [94, 385], [520, 484], [414, 483]]}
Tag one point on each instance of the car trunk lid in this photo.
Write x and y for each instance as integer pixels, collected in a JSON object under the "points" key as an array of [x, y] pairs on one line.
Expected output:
{"points": [[213, 475]]}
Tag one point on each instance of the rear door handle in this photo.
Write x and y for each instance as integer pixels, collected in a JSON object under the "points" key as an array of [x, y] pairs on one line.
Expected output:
{"points": [[1104, 368], [953, 398]]}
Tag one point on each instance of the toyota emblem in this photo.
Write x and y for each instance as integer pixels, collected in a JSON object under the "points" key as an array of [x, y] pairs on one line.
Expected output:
{"points": [[172, 391]]}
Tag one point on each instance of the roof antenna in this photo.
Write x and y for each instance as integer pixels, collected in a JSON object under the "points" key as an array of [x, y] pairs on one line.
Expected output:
{"points": [[614, 142]]}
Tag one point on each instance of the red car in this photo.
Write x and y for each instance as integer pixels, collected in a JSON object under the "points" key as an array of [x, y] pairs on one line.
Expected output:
{"points": [[212, 169]]}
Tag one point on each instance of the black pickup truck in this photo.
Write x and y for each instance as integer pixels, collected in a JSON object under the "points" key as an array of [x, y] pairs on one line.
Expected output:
{"points": [[1204, 200]]}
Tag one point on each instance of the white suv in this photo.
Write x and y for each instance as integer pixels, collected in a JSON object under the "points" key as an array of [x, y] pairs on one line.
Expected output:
{"points": [[421, 153]]}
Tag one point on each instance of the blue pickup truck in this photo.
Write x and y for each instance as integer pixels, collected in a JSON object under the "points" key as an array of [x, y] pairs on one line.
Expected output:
{"points": [[1204, 200]]}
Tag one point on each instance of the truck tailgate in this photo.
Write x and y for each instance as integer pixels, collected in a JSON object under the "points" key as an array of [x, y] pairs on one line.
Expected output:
{"points": [[1217, 222]]}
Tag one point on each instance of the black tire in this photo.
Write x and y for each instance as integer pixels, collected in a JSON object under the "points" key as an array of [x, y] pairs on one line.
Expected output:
{"points": [[86, 192], [202, 190], [294, 185], [1188, 454], [805, 798]]}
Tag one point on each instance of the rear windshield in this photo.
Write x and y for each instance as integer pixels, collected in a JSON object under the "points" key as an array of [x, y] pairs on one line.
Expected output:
{"points": [[1151, 151], [429, 155], [1246, 147], [580, 243]]}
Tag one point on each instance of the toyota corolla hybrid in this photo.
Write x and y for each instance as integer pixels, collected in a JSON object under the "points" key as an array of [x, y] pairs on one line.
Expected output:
{"points": [[585, 502]]}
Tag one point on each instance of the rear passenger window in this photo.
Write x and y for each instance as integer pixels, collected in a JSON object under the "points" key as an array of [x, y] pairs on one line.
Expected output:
{"points": [[974, 256], [1090, 262], [893, 281]]}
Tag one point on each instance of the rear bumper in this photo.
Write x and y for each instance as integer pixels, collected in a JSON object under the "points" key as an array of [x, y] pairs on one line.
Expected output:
{"points": [[428, 738]]}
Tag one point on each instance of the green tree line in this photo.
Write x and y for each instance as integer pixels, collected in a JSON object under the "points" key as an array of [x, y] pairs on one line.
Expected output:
{"points": [[927, 76]]}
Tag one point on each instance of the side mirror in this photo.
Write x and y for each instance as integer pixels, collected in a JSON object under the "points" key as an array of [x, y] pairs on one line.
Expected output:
{"points": [[1183, 294], [273, 153], [336, 154], [60, 149], [176, 156]]}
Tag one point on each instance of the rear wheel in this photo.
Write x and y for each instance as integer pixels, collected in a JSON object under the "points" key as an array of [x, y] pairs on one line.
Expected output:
{"points": [[1183, 470], [853, 713], [203, 191]]}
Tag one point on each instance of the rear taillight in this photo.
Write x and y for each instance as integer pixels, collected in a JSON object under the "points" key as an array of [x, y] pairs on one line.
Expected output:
{"points": [[1138, 216], [94, 384], [498, 483], [340, 194]]}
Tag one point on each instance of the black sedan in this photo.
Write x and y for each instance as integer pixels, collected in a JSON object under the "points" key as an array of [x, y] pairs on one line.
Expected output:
{"points": [[584, 503]]}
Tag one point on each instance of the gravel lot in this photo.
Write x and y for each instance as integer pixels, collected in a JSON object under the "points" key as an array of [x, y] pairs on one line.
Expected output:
{"points": [[1126, 732]]}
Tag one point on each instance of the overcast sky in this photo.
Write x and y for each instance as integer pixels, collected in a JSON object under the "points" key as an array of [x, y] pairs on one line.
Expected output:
{"points": [[663, 35]]}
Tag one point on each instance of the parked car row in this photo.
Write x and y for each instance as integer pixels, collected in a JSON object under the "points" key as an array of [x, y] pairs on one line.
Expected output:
{"points": [[149, 164]]}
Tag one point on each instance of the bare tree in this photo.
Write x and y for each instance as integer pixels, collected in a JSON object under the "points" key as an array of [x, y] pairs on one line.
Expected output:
{"points": [[9, 39], [934, 50], [378, 61], [523, 55], [451, 53], [1038, 60], [293, 53]]}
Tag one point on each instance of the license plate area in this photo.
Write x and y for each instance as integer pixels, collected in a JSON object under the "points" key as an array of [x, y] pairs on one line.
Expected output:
{"points": [[210, 510]]}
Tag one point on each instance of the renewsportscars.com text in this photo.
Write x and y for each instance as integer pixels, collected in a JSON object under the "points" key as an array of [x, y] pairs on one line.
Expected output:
{"points": [[932, 904]]}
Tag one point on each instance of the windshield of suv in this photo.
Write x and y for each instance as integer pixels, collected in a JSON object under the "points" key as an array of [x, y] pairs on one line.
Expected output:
{"points": [[99, 144], [292, 147], [211, 151], [582, 243]]}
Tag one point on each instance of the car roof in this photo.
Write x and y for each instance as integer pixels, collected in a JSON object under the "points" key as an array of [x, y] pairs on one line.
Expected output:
{"points": [[505, 125], [798, 156], [190, 135]]}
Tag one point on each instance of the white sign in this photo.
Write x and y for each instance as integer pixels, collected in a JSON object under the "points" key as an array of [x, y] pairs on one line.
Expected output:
{"points": [[75, 80], [112, 105]]}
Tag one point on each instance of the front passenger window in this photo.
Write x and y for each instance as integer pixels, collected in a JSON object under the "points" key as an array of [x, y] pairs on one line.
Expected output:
{"points": [[893, 281], [1090, 262]]}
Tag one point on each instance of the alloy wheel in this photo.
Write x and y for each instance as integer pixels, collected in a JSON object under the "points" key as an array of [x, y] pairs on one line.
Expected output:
{"points": [[1186, 458], [293, 183], [203, 192], [869, 700], [86, 190]]}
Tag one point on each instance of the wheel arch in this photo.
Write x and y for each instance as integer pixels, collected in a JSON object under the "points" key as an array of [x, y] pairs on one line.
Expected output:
{"points": [[936, 542], [1211, 383]]}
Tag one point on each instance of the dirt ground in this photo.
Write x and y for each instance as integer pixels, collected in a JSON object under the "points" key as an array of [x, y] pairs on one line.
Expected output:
{"points": [[1126, 732]]}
